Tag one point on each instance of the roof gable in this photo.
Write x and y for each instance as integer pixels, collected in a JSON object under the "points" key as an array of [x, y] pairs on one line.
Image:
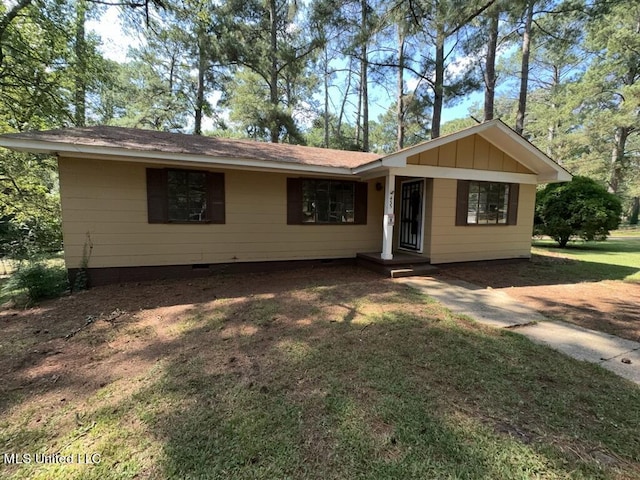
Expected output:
{"points": [[498, 135]]}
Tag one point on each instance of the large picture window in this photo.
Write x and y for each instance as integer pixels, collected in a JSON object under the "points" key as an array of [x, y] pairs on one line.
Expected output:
{"points": [[487, 203], [185, 196], [328, 201], [324, 201]]}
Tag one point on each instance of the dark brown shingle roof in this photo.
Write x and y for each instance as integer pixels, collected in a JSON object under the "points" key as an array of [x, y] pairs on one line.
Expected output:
{"points": [[178, 143]]}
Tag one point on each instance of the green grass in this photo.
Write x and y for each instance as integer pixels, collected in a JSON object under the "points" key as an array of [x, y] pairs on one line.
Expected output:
{"points": [[627, 231], [398, 388], [614, 259]]}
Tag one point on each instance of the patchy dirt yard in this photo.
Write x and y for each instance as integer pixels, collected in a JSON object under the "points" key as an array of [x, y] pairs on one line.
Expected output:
{"points": [[334, 372], [37, 341], [55, 344], [610, 306]]}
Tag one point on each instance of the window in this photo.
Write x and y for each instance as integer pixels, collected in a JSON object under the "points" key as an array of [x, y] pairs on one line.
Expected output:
{"points": [[322, 201], [487, 203], [185, 196]]}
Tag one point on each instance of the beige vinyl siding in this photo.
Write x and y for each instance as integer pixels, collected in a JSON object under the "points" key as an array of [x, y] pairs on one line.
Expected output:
{"points": [[106, 201], [470, 152], [449, 243]]}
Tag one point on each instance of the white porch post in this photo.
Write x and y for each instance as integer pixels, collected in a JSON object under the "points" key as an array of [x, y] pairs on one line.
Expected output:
{"points": [[388, 219]]}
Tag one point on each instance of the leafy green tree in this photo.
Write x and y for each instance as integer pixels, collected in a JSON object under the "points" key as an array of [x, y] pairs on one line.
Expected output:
{"points": [[580, 208], [169, 79], [444, 22], [29, 206], [610, 88], [272, 52], [148, 92], [341, 136], [384, 131]]}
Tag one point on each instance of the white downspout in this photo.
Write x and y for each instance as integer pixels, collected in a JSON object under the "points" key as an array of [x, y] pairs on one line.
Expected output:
{"points": [[388, 219]]}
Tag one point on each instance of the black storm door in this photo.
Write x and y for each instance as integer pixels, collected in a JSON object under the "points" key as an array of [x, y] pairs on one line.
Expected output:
{"points": [[411, 215]]}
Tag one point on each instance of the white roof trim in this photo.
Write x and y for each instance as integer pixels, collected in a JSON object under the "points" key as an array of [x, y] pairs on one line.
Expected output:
{"points": [[114, 153], [464, 174], [496, 133]]}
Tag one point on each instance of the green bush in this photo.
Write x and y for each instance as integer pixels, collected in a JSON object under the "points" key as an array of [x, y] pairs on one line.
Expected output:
{"points": [[39, 280], [580, 208]]}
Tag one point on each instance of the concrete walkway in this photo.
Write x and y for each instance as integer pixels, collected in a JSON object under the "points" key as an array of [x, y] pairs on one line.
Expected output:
{"points": [[497, 309]]}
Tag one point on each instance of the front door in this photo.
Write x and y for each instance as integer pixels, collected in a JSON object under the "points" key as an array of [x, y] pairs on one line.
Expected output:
{"points": [[411, 206]]}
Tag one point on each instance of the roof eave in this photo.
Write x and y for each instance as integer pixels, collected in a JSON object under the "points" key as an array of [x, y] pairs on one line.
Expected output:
{"points": [[114, 153]]}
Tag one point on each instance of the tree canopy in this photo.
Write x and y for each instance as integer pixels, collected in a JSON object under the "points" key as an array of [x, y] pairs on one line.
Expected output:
{"points": [[356, 74]]}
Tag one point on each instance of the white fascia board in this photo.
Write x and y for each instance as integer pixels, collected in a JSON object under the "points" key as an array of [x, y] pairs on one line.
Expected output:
{"points": [[465, 174], [557, 177], [534, 154], [166, 158], [379, 167], [381, 172], [367, 167]]}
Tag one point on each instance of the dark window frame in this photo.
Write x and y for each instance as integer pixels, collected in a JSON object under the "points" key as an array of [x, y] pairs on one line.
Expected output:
{"points": [[462, 204], [158, 197], [295, 201]]}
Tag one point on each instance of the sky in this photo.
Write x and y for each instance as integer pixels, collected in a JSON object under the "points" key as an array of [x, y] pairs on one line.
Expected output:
{"points": [[115, 45]]}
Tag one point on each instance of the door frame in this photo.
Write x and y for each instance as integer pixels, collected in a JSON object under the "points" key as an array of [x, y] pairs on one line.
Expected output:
{"points": [[420, 248]]}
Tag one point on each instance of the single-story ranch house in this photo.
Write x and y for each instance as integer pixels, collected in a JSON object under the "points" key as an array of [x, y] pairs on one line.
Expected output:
{"points": [[140, 203]]}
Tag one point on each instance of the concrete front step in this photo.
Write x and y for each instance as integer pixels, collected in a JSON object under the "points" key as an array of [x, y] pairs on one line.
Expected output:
{"points": [[412, 271], [403, 265]]}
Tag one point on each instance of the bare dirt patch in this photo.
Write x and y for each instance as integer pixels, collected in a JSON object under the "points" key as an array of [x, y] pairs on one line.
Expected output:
{"points": [[323, 373], [609, 306], [69, 348]]}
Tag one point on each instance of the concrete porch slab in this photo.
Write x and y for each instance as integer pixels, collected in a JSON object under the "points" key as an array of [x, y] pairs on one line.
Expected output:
{"points": [[399, 258], [402, 264]]}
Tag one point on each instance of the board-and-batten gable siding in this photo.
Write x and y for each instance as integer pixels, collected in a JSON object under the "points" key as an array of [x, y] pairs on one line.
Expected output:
{"points": [[451, 243], [108, 200], [472, 152]]}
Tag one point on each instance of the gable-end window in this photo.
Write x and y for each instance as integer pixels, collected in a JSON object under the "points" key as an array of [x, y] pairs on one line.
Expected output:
{"points": [[185, 196], [322, 201], [487, 203]]}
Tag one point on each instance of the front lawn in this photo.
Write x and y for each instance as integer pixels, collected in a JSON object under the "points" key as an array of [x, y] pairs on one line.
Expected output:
{"points": [[614, 259], [329, 373]]}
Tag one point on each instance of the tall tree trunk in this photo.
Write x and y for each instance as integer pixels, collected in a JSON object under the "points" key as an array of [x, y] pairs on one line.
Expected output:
{"points": [[400, 86], [438, 88], [202, 68], [524, 71], [490, 67], [273, 74], [326, 97], [364, 80], [635, 211], [343, 105], [553, 124], [365, 100], [359, 111], [616, 175], [80, 93]]}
